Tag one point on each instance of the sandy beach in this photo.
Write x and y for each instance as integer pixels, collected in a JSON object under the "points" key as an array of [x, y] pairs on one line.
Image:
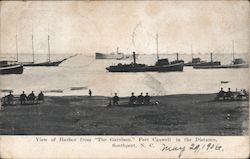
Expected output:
{"points": [[82, 115]]}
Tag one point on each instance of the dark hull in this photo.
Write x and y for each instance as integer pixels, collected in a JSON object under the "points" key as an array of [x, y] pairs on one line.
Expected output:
{"points": [[46, 64], [57, 63], [162, 68], [190, 64], [14, 69], [222, 66]]}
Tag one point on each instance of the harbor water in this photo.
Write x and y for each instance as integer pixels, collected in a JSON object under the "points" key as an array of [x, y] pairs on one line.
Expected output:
{"points": [[77, 75]]}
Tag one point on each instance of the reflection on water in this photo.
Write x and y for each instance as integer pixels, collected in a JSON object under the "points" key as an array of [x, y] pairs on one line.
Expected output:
{"points": [[75, 76]]}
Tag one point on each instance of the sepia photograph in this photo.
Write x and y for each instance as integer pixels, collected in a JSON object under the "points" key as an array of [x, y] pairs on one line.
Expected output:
{"points": [[124, 68], [148, 68]]}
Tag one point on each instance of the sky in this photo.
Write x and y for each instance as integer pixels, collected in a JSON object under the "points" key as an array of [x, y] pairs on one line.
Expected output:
{"points": [[101, 26]]}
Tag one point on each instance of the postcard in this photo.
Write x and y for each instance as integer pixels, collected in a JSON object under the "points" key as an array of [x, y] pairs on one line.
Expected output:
{"points": [[124, 79]]}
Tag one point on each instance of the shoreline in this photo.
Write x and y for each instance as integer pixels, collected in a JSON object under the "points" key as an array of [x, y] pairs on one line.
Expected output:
{"points": [[183, 114]]}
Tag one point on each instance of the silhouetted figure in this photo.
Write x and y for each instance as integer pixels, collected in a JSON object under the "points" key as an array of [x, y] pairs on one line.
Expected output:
{"points": [[245, 92], [23, 98], [40, 96], [229, 94], [116, 99], [147, 99], [132, 99], [10, 98], [221, 94], [90, 93], [140, 99], [31, 96]]}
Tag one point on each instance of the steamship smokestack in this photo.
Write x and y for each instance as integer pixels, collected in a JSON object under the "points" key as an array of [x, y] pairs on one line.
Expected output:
{"points": [[134, 57], [211, 57]]}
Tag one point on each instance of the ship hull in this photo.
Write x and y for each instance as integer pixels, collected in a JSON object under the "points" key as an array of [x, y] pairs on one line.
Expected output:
{"points": [[14, 69], [46, 64], [109, 56], [162, 68], [222, 66], [191, 64]]}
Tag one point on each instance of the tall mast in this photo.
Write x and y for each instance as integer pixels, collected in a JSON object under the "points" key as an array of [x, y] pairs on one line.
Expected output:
{"points": [[157, 47], [233, 50], [33, 53], [48, 44], [117, 50], [16, 47]]}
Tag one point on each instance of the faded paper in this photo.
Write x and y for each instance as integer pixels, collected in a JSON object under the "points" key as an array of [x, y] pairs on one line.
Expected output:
{"points": [[70, 124]]}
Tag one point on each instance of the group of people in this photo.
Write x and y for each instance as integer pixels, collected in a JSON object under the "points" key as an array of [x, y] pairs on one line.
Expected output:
{"points": [[229, 95], [133, 99], [9, 99]]}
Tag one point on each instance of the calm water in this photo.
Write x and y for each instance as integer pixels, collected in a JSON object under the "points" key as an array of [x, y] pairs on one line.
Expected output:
{"points": [[88, 73]]}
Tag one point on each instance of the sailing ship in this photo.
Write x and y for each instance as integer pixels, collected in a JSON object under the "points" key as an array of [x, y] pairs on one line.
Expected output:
{"points": [[162, 65], [46, 63], [10, 66]]}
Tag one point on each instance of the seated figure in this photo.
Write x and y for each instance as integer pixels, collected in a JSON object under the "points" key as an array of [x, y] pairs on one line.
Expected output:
{"points": [[140, 99], [229, 94], [147, 99], [132, 99], [31, 97], [221, 94], [40, 96], [10, 98], [23, 98]]}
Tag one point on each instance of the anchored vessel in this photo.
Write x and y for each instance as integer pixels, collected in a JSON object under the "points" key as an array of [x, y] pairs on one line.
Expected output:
{"points": [[194, 62], [118, 55], [162, 65], [236, 63], [46, 63], [207, 65], [10, 67]]}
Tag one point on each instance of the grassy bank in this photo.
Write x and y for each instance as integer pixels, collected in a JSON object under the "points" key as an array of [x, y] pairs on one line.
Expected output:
{"points": [[82, 115]]}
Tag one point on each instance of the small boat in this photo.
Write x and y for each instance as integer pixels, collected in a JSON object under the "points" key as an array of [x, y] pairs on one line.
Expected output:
{"points": [[78, 88], [53, 91], [6, 90], [10, 67], [224, 82]]}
